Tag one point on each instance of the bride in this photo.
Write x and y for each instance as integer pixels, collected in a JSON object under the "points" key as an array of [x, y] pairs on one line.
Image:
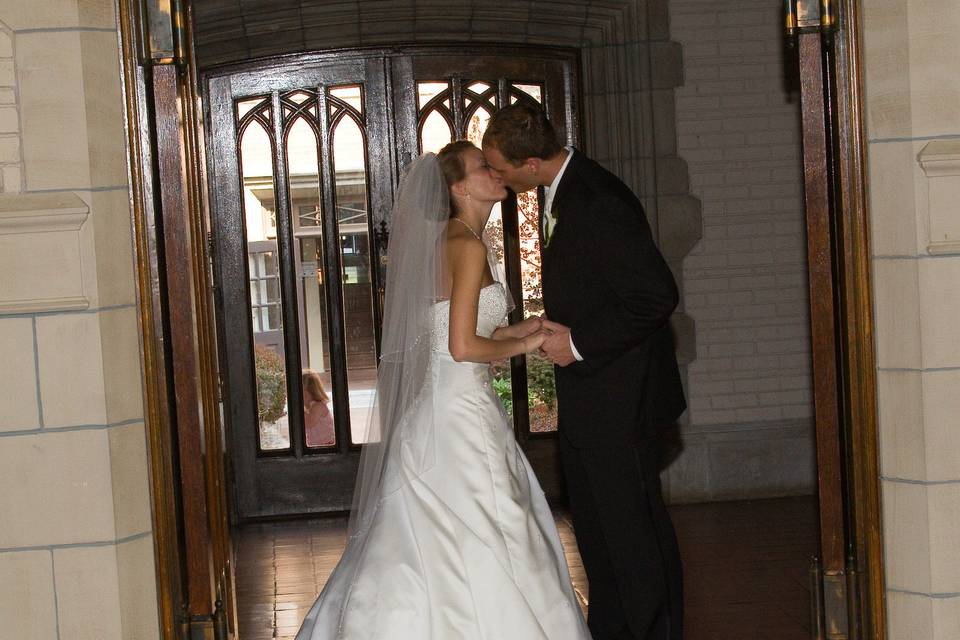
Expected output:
{"points": [[450, 535]]}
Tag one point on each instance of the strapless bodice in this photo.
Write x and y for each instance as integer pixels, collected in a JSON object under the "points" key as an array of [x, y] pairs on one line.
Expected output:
{"points": [[491, 311]]}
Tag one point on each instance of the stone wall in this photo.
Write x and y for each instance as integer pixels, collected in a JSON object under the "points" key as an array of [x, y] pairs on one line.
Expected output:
{"points": [[738, 125], [912, 84], [10, 160], [76, 548]]}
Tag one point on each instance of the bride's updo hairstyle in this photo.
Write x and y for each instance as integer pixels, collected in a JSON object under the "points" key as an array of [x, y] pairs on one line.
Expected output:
{"points": [[452, 165]]}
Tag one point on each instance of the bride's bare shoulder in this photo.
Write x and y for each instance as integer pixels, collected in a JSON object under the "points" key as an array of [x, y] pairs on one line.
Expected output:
{"points": [[461, 246]]}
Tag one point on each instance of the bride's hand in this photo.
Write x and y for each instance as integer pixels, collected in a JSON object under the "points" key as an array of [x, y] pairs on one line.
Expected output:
{"points": [[532, 342], [529, 326]]}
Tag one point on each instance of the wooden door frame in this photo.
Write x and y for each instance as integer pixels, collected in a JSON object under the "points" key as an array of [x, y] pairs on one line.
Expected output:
{"points": [[844, 360], [856, 366], [192, 550], [858, 357], [262, 478]]}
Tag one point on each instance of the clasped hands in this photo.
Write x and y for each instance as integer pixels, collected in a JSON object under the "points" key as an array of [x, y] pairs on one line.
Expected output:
{"points": [[547, 338]]}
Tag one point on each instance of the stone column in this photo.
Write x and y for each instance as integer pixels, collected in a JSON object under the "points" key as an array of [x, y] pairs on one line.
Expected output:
{"points": [[76, 546], [913, 125]]}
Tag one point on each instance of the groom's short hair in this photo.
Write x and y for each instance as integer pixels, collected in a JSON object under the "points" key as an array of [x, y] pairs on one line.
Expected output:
{"points": [[522, 131]]}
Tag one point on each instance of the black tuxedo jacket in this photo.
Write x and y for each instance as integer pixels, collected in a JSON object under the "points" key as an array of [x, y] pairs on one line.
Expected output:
{"points": [[604, 277]]}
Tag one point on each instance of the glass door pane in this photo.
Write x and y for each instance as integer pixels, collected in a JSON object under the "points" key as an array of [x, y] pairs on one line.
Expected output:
{"points": [[480, 101], [264, 295], [306, 209], [351, 201], [435, 119], [541, 387]]}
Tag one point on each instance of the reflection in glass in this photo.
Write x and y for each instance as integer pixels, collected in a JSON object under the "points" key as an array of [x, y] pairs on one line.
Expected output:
{"points": [[435, 133], [352, 210], [265, 298], [307, 210]]}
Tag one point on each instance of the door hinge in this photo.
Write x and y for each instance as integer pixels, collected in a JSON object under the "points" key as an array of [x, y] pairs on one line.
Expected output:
{"points": [[161, 32], [833, 599], [810, 15], [211, 267]]}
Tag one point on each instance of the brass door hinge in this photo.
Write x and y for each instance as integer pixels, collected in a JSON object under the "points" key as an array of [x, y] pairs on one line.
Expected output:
{"points": [[833, 602], [810, 15]]}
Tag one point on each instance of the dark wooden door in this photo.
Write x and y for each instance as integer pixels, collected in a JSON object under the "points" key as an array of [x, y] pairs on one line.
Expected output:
{"points": [[304, 156], [298, 171], [442, 96]]}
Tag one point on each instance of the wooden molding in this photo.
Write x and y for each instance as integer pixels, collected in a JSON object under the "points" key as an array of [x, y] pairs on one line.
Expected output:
{"points": [[168, 561], [857, 360]]}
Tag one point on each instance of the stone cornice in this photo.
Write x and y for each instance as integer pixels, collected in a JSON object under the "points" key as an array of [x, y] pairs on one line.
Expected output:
{"points": [[940, 158], [40, 253], [41, 212], [940, 161]]}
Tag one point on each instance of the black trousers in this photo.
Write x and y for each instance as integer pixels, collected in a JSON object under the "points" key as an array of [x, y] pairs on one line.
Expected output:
{"points": [[626, 540]]}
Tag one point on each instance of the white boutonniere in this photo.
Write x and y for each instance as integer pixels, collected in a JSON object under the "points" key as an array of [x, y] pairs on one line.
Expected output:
{"points": [[549, 224]]}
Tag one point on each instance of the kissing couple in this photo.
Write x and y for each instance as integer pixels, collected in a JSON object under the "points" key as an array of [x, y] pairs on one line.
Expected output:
{"points": [[450, 536]]}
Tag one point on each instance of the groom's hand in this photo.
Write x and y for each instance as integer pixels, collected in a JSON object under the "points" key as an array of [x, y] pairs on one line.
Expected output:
{"points": [[557, 345]]}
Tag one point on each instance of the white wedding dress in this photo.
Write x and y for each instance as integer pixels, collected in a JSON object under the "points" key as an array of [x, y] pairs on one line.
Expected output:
{"points": [[462, 545]]}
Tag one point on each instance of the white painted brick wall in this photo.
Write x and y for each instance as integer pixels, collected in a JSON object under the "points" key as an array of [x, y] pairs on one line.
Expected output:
{"points": [[745, 283]]}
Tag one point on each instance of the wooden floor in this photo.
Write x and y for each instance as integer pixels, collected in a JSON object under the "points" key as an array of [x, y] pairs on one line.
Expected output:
{"points": [[745, 569]]}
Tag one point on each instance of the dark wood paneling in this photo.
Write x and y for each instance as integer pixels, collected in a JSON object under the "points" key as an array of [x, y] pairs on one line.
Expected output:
{"points": [[822, 310], [185, 363]]}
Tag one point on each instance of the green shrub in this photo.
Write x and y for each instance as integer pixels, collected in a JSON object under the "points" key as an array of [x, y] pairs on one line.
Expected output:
{"points": [[541, 390], [271, 384], [540, 380], [504, 391]]}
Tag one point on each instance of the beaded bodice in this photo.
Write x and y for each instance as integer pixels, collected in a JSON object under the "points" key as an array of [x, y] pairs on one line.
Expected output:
{"points": [[491, 311]]}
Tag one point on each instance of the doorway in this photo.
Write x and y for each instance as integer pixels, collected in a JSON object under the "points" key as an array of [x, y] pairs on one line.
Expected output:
{"points": [[860, 531], [304, 158]]}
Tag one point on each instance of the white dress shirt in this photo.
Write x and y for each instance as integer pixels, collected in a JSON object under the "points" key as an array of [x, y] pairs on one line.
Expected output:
{"points": [[551, 222]]}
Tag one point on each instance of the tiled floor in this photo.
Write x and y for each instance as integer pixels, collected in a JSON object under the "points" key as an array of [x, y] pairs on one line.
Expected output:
{"points": [[745, 569]]}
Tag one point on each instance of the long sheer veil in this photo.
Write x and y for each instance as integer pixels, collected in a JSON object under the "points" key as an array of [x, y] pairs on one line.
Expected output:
{"points": [[403, 422], [414, 284]]}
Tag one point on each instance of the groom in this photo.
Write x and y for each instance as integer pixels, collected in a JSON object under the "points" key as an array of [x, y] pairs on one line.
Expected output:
{"points": [[608, 294]]}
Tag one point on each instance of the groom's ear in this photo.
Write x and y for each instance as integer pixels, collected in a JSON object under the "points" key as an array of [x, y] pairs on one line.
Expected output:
{"points": [[533, 165]]}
